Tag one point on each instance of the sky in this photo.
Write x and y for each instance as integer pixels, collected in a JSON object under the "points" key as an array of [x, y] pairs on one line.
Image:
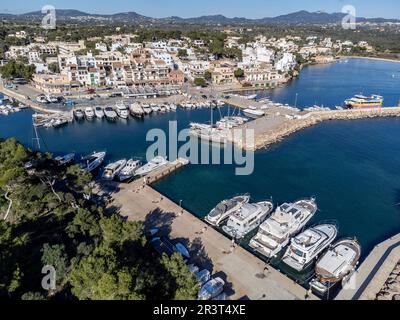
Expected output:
{"points": [[192, 8]]}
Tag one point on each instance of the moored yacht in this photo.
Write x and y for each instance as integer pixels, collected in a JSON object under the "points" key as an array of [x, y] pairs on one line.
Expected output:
{"points": [[89, 113], [99, 112], [110, 114], [93, 161], [78, 114], [121, 110], [151, 166], [307, 246], [225, 208], [336, 265], [136, 110], [253, 113], [147, 109], [247, 218], [63, 160], [113, 169], [128, 172], [288, 219]]}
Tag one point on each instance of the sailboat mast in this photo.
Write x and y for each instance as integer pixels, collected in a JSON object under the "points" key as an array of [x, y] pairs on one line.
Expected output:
{"points": [[36, 135]]}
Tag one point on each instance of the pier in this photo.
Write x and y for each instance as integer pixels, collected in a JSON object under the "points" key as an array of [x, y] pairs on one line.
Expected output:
{"points": [[26, 100], [246, 276], [374, 272], [274, 128]]}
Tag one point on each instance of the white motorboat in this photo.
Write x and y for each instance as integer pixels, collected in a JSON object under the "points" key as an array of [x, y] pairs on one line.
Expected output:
{"points": [[151, 166], [247, 218], [51, 99], [99, 112], [253, 113], [155, 108], [225, 208], [89, 113], [136, 110], [94, 161], [147, 109], [305, 248], [42, 99], [110, 114], [121, 110], [78, 114], [336, 265], [173, 107], [113, 169], [285, 222], [63, 160], [128, 172], [211, 289]]}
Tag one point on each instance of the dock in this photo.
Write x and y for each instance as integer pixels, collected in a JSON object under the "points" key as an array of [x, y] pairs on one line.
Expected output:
{"points": [[246, 276], [374, 272], [274, 128], [25, 100]]}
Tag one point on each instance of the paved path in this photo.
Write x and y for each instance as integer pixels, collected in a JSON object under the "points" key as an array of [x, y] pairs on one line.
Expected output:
{"points": [[374, 271], [243, 272]]}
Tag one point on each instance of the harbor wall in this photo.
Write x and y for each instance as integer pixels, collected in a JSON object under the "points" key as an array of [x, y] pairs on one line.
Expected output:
{"points": [[271, 135]]}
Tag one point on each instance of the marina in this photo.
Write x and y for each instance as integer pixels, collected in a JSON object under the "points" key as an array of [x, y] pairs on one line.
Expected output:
{"points": [[275, 181]]}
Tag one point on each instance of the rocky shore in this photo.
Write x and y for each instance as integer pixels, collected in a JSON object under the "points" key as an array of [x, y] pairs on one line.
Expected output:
{"points": [[391, 289]]}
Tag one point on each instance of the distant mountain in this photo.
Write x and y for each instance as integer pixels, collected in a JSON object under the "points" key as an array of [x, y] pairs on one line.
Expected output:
{"points": [[68, 13], [305, 17], [297, 18]]}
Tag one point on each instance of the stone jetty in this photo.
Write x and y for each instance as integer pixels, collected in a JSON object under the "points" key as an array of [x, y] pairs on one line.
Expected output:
{"points": [[274, 128]]}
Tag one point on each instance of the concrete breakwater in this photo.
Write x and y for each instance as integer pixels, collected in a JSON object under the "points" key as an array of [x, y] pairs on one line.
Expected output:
{"points": [[270, 130]]}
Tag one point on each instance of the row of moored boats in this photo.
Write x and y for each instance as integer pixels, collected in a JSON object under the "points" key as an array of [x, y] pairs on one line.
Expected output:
{"points": [[284, 228], [122, 170], [137, 110]]}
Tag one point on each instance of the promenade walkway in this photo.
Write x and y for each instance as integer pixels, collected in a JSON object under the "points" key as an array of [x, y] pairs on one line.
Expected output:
{"points": [[246, 276]]}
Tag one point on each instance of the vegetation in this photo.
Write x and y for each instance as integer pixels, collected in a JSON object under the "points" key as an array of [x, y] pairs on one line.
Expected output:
{"points": [[239, 73], [95, 255], [17, 69], [200, 82]]}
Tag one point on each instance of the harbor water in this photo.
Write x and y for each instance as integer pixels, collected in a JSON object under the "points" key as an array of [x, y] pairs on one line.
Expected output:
{"points": [[351, 167]]}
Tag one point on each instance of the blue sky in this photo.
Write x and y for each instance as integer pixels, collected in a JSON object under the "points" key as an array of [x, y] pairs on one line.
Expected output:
{"points": [[190, 8]]}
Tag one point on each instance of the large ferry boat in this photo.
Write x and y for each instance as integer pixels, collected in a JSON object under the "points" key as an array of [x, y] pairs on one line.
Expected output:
{"points": [[360, 101]]}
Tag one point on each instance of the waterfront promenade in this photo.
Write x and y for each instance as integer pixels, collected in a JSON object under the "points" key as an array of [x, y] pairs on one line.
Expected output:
{"points": [[246, 276], [371, 276]]}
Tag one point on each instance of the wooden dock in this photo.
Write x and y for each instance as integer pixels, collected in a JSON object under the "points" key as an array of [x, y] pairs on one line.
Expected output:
{"points": [[165, 171]]}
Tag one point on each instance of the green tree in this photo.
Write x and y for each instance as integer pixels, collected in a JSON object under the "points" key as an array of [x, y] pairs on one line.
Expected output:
{"points": [[187, 286], [239, 73], [33, 296], [54, 67], [201, 82], [207, 75], [116, 231], [182, 53], [55, 255]]}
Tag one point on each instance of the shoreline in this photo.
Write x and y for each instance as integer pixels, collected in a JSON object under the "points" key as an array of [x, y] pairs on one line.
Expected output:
{"points": [[368, 58]]}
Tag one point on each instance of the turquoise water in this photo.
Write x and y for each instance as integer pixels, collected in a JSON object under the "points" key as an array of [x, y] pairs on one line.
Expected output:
{"points": [[353, 168]]}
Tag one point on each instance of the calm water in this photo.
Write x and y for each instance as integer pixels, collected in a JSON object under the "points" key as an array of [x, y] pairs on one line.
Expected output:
{"points": [[331, 84], [353, 168]]}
